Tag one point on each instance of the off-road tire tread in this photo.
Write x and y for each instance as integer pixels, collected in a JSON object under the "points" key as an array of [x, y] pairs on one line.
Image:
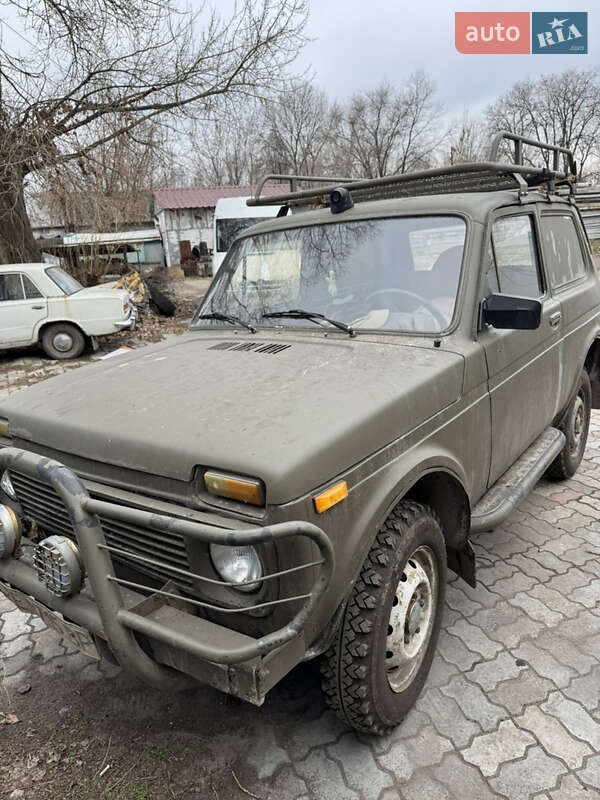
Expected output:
{"points": [[560, 469], [344, 677]]}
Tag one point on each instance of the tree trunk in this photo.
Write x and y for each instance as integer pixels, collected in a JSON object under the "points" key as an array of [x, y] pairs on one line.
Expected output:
{"points": [[17, 244]]}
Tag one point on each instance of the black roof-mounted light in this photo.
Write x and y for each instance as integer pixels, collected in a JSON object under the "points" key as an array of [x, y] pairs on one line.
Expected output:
{"points": [[340, 200]]}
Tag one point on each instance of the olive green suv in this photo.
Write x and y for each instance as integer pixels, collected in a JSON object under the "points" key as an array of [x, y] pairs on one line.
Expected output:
{"points": [[369, 379]]}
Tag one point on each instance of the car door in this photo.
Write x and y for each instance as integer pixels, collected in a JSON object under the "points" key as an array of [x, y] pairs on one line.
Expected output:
{"points": [[22, 307], [523, 366], [571, 274]]}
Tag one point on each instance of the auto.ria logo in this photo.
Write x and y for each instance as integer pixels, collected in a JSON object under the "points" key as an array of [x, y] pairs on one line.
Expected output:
{"points": [[524, 32], [559, 33]]}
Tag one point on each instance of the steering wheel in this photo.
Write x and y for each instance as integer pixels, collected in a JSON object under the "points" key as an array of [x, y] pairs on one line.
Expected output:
{"points": [[428, 305]]}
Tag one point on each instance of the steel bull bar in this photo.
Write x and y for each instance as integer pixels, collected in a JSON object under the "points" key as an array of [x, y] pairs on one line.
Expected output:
{"points": [[107, 615]]}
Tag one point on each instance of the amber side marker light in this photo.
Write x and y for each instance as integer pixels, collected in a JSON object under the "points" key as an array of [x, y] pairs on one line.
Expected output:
{"points": [[246, 490], [3, 427], [331, 496]]}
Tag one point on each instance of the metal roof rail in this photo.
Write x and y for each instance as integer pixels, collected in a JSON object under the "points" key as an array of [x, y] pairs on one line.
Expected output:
{"points": [[293, 181], [478, 176], [519, 141], [482, 176]]}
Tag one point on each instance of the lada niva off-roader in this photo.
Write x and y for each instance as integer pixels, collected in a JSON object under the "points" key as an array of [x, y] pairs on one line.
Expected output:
{"points": [[366, 382]]}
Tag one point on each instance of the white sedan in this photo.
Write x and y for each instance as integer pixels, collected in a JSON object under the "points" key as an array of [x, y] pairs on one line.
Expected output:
{"points": [[43, 304]]}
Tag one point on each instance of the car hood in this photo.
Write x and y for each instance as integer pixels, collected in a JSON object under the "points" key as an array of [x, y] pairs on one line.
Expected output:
{"points": [[294, 410]]}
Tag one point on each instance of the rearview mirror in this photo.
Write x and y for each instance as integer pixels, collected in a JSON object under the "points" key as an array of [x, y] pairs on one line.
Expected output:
{"points": [[511, 313]]}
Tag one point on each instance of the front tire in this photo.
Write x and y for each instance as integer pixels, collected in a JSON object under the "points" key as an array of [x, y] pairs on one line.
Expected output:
{"points": [[62, 341], [575, 426], [376, 668]]}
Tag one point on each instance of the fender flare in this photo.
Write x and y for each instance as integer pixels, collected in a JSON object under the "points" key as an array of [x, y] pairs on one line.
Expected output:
{"points": [[46, 323], [397, 484]]}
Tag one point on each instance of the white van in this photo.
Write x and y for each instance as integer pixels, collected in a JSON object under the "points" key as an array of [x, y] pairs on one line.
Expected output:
{"points": [[232, 215]]}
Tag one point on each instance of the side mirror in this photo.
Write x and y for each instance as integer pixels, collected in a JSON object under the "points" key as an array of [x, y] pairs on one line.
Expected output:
{"points": [[511, 313]]}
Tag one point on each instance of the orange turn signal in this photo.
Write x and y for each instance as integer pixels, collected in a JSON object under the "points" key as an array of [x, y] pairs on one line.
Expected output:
{"points": [[246, 490], [3, 427], [331, 496]]}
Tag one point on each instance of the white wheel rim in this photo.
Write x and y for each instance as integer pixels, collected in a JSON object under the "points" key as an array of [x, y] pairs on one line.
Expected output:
{"points": [[411, 618], [578, 424]]}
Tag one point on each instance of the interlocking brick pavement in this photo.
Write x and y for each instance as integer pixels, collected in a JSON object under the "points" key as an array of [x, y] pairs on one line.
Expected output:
{"points": [[511, 709]]}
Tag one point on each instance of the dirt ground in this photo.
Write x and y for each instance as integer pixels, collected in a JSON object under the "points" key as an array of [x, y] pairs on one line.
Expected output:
{"points": [[153, 327], [99, 735]]}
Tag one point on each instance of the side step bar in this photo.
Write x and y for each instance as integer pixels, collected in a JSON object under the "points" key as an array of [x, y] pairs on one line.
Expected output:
{"points": [[499, 501]]}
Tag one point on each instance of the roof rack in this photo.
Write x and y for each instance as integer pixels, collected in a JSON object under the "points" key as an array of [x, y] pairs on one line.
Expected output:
{"points": [[518, 150], [477, 176]]}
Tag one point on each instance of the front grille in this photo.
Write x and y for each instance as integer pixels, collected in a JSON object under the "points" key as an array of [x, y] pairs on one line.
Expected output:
{"points": [[41, 503]]}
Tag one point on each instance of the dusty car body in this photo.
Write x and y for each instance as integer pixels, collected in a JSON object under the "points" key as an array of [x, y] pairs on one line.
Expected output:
{"points": [[352, 454], [40, 303]]}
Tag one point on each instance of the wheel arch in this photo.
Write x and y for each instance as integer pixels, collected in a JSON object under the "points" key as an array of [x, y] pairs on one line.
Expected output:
{"points": [[445, 494], [433, 479], [47, 323], [592, 367]]}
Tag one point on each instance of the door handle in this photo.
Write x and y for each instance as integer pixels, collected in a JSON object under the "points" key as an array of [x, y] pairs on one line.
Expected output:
{"points": [[38, 308], [555, 319]]}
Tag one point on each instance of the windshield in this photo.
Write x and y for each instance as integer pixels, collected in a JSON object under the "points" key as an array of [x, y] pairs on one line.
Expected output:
{"points": [[228, 229], [392, 274], [63, 280]]}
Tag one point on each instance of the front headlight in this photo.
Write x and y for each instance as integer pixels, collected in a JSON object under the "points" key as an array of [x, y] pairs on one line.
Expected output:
{"points": [[10, 532], [7, 487], [237, 565], [59, 566]]}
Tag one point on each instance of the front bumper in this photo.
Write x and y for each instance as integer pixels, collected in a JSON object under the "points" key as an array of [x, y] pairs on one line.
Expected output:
{"points": [[129, 323], [174, 639]]}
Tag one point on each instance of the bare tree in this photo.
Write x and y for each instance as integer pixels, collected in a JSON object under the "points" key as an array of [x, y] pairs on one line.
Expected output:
{"points": [[467, 140], [226, 150], [134, 60], [108, 189], [563, 109], [299, 126], [390, 131]]}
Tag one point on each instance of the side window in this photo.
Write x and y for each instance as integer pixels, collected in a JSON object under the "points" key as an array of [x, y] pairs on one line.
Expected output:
{"points": [[515, 256], [562, 249], [31, 290], [491, 285], [11, 287]]}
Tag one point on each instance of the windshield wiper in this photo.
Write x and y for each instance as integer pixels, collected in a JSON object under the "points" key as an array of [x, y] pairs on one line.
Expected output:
{"points": [[298, 313], [228, 318]]}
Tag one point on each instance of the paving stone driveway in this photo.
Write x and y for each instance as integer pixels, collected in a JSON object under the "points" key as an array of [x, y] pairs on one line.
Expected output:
{"points": [[511, 708]]}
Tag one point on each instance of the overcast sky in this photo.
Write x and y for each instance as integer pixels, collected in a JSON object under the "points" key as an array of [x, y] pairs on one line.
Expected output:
{"points": [[358, 43]]}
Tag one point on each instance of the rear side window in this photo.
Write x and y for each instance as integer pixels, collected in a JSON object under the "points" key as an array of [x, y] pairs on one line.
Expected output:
{"points": [[11, 287], [562, 249], [65, 282], [514, 264], [31, 290]]}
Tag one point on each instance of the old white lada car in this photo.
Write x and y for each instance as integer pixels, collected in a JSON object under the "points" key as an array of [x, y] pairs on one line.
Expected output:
{"points": [[43, 304]]}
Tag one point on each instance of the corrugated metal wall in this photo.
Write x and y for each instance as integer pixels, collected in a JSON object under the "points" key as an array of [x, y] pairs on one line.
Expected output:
{"points": [[588, 200]]}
